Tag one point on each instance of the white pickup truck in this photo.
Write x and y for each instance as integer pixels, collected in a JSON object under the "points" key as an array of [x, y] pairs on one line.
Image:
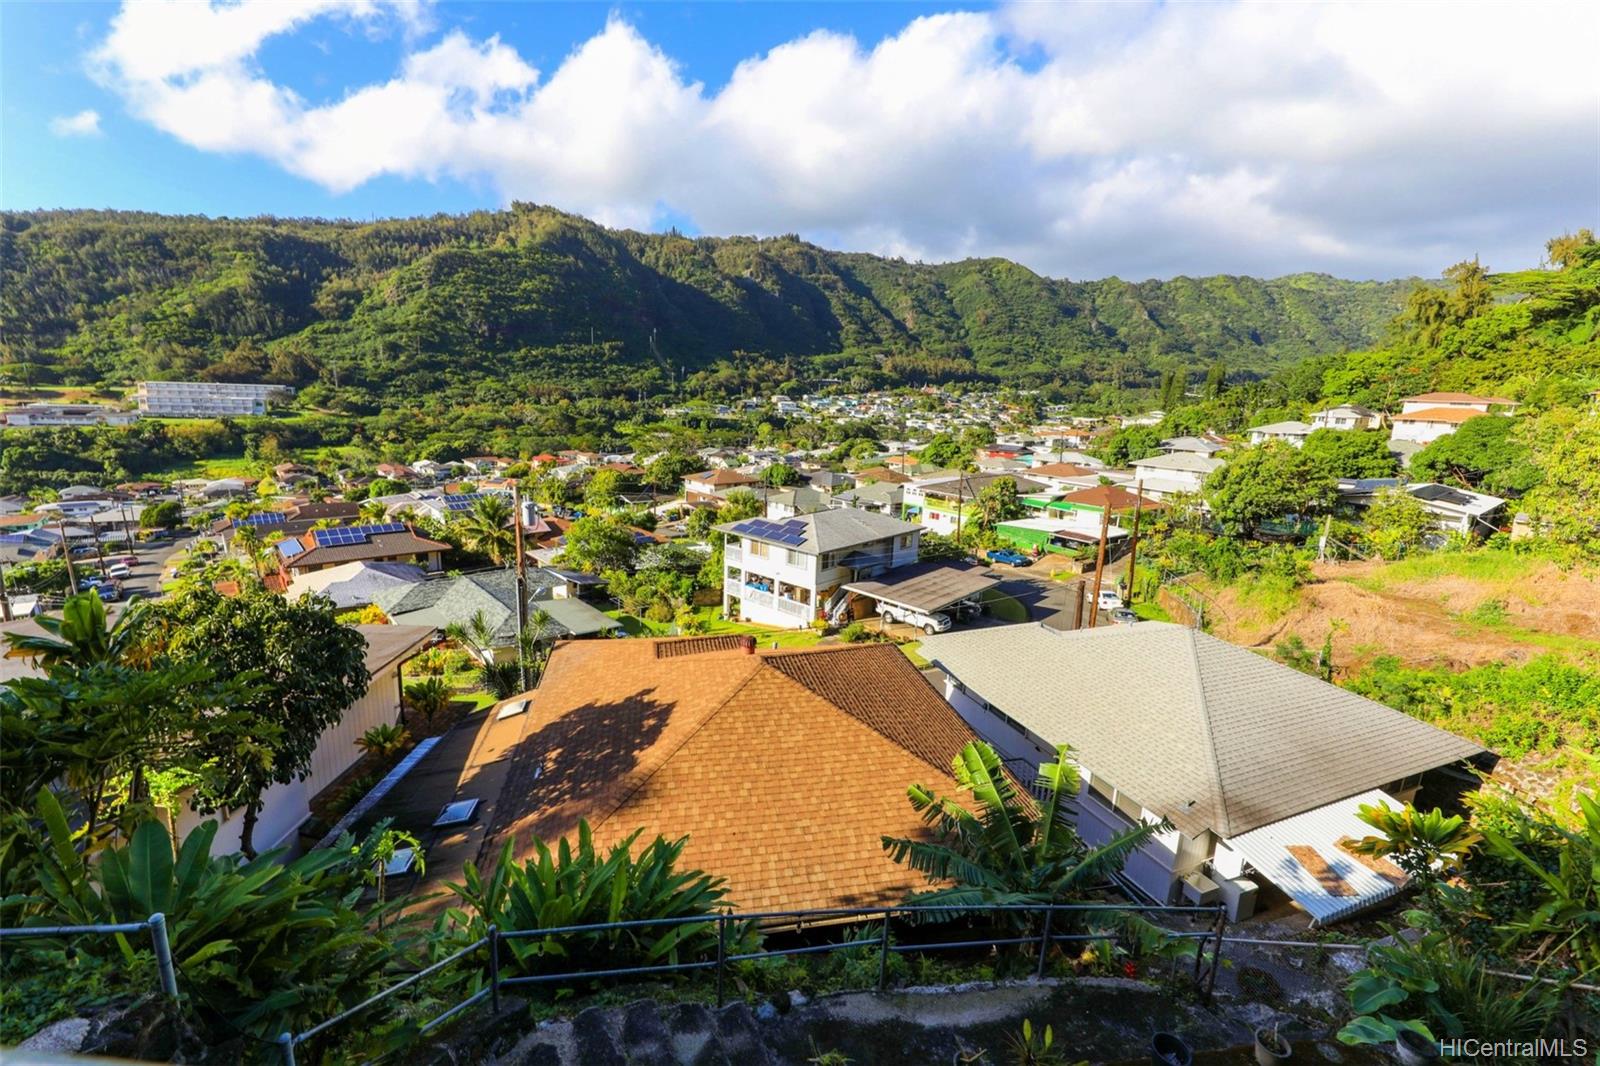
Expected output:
{"points": [[929, 623]]}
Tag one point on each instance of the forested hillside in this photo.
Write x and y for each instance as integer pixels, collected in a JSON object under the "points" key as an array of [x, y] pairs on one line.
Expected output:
{"points": [[372, 314]]}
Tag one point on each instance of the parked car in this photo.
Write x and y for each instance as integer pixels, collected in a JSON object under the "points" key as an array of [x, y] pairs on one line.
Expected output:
{"points": [[119, 570], [1109, 600], [1123, 617], [109, 591], [129, 560], [1009, 556], [936, 622]]}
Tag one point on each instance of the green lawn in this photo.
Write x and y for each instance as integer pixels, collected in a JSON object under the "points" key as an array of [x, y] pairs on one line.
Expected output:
{"points": [[210, 469], [913, 651], [715, 626], [1151, 611], [1480, 565]]}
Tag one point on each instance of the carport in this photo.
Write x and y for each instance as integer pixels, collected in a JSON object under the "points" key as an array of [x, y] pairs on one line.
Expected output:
{"points": [[927, 587]]}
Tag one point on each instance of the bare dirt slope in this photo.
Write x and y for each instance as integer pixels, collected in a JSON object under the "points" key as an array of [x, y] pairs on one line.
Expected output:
{"points": [[1453, 611]]}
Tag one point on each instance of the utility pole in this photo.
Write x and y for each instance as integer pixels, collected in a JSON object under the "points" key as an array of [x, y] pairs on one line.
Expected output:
{"points": [[99, 549], [1100, 560], [522, 581], [1133, 552], [1322, 542], [66, 553], [1077, 618], [961, 503]]}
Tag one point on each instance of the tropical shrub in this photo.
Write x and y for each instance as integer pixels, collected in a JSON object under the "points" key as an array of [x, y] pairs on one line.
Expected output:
{"points": [[384, 740], [1431, 986], [854, 633], [428, 697], [1561, 925], [579, 885], [1426, 845], [260, 945]]}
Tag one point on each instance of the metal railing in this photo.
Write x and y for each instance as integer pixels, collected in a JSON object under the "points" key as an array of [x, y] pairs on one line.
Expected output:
{"points": [[156, 924], [793, 921]]}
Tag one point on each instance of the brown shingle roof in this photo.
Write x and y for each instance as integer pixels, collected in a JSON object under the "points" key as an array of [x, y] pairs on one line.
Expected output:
{"points": [[1118, 497], [723, 476], [377, 546], [784, 768]]}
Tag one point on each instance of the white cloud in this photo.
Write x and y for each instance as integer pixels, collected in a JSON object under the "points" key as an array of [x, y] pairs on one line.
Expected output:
{"points": [[1082, 139], [83, 124]]}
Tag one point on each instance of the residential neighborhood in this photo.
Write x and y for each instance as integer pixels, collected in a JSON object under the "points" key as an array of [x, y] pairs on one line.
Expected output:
{"points": [[1010, 534]]}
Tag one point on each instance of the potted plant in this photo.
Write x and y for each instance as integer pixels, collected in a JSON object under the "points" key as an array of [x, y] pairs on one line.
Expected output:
{"points": [[1168, 1049], [1413, 1048], [1271, 1048]]}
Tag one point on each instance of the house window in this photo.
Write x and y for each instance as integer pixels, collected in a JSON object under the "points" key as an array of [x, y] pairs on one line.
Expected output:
{"points": [[905, 540], [755, 549]]}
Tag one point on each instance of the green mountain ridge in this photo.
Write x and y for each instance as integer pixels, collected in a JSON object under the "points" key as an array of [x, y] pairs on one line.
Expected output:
{"points": [[531, 295]]}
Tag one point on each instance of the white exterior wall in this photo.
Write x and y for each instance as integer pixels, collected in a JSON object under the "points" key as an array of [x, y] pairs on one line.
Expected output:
{"points": [[1324, 420], [1190, 480], [1295, 439], [183, 399], [1154, 867], [1421, 432], [285, 807], [780, 566]]}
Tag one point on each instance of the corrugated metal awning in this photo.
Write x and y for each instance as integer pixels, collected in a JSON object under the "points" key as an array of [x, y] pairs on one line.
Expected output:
{"points": [[1336, 884]]}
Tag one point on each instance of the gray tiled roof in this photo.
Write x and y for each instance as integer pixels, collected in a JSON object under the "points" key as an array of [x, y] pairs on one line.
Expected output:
{"points": [[837, 529], [454, 600], [1211, 735]]}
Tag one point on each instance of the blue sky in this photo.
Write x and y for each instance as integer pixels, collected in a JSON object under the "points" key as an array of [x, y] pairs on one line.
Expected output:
{"points": [[1082, 139]]}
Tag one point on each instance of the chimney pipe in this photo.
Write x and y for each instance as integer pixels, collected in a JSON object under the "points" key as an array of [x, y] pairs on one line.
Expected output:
{"points": [[748, 645]]}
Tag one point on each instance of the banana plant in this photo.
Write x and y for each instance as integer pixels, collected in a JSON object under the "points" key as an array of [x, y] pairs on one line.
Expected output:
{"points": [[579, 884], [1011, 849], [259, 944]]}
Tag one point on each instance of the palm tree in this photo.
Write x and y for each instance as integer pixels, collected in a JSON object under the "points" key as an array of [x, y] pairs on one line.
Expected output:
{"points": [[373, 511], [1011, 850], [486, 528]]}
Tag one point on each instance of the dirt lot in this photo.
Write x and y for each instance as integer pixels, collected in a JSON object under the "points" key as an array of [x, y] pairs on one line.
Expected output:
{"points": [[1454, 611]]}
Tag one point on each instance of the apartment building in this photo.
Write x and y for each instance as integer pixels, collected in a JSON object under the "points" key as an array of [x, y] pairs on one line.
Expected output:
{"points": [[65, 414], [208, 399], [788, 573]]}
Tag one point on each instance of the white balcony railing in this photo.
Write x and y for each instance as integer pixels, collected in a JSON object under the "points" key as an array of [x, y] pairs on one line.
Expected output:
{"points": [[793, 607], [732, 553]]}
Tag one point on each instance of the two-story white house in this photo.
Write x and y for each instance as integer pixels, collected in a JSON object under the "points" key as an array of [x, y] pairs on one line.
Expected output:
{"points": [[786, 572], [943, 504]]}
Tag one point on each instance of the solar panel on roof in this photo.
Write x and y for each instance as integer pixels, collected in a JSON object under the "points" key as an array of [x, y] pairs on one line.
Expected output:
{"points": [[290, 548], [270, 518]]}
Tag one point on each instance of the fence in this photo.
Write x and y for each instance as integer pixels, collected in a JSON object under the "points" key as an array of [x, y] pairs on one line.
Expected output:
{"points": [[1204, 975], [156, 924]]}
